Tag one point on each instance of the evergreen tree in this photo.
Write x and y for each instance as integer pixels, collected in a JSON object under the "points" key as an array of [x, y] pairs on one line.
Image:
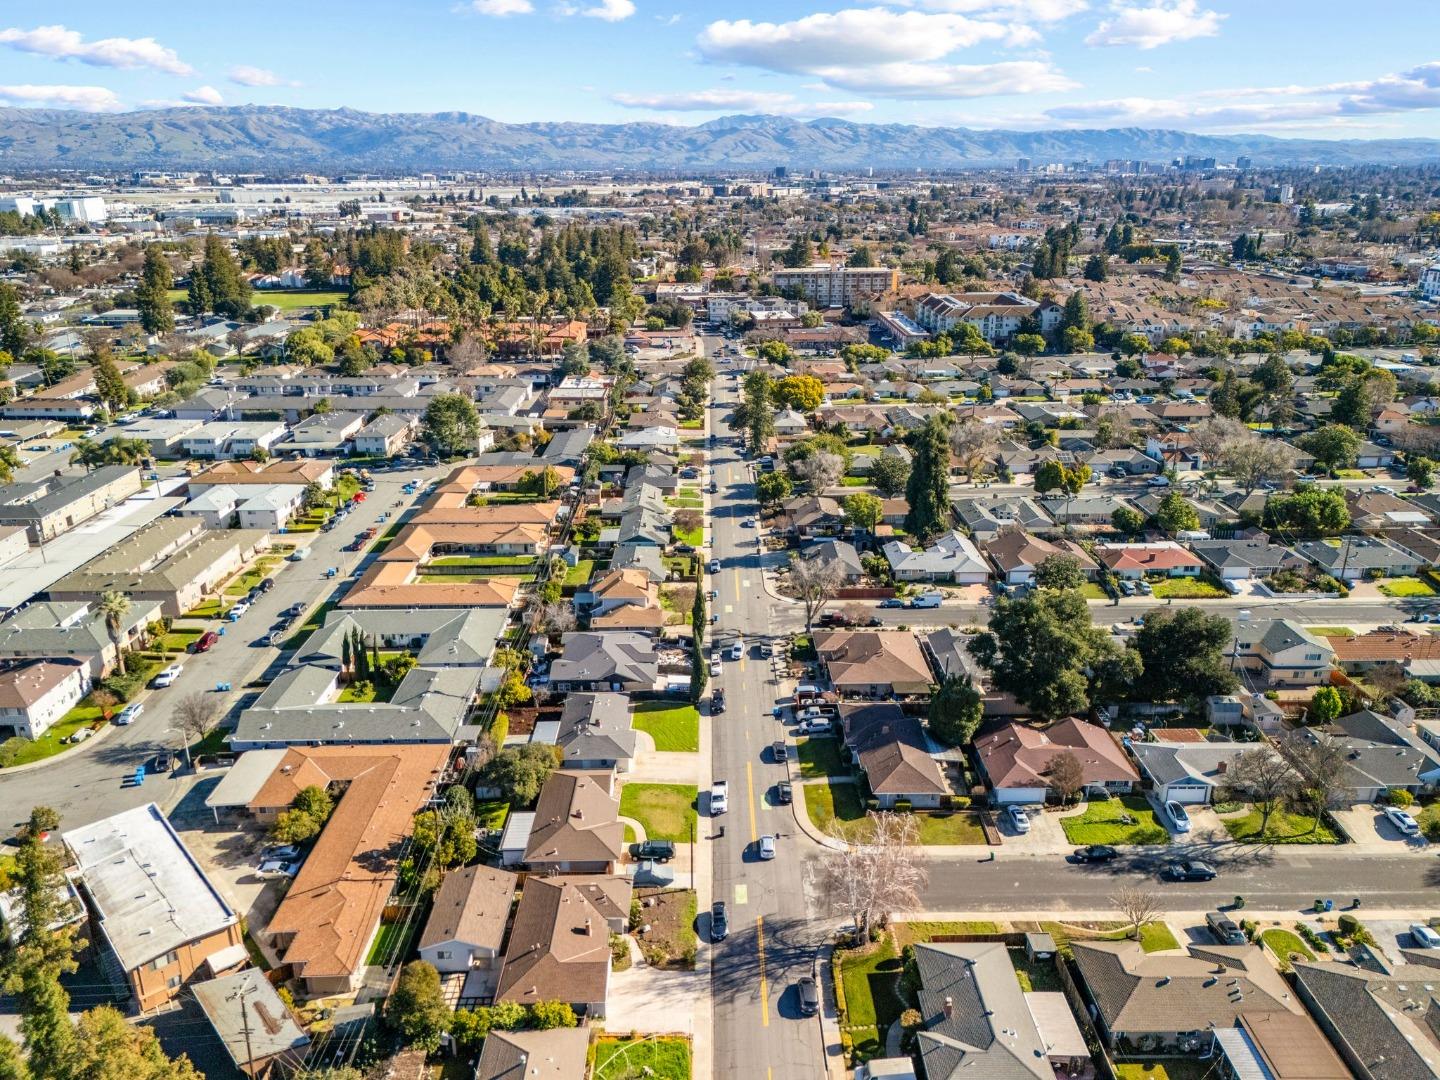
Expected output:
{"points": [[1077, 312], [928, 488], [14, 331], [152, 298], [109, 385]]}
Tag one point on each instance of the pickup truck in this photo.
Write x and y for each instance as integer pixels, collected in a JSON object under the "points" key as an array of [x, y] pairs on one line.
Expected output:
{"points": [[719, 797]]}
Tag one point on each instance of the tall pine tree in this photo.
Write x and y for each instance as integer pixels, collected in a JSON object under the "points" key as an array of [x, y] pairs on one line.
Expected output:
{"points": [[928, 489]]}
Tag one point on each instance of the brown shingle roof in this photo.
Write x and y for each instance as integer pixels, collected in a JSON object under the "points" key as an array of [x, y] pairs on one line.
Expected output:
{"points": [[1017, 755], [858, 658], [472, 905], [576, 820], [560, 944]]}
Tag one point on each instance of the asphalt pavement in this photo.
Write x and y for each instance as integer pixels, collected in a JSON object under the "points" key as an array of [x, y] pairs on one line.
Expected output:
{"points": [[95, 779]]}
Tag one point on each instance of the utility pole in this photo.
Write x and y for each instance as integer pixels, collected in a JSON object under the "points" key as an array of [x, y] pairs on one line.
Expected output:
{"points": [[245, 1024]]}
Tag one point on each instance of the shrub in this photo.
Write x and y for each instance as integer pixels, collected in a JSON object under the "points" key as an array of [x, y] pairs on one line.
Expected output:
{"points": [[1400, 797], [1311, 938], [960, 802], [1349, 925]]}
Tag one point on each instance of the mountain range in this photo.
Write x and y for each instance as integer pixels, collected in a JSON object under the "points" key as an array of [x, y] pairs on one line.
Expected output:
{"points": [[275, 138]]}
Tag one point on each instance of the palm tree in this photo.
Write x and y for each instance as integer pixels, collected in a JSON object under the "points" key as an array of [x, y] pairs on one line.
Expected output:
{"points": [[114, 606]]}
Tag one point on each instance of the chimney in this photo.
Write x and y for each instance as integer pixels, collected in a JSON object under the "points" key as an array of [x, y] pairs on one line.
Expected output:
{"points": [[949, 1007], [587, 926], [1222, 767]]}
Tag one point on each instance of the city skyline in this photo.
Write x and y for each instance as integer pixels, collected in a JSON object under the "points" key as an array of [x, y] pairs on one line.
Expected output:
{"points": [[1198, 65]]}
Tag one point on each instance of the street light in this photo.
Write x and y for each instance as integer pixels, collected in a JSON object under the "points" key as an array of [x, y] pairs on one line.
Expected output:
{"points": [[184, 744]]}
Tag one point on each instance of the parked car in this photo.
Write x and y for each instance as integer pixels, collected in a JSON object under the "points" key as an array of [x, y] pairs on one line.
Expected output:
{"points": [[276, 869], [1019, 819], [1188, 870], [162, 763], [1402, 821], [284, 852], [719, 797], [653, 873], [816, 725], [783, 793], [1179, 819], [716, 669], [714, 566], [205, 642], [653, 850], [1095, 853], [168, 676], [1424, 937], [1224, 928], [777, 751], [130, 713], [719, 921], [767, 847], [238, 610], [807, 994], [737, 649], [892, 602]]}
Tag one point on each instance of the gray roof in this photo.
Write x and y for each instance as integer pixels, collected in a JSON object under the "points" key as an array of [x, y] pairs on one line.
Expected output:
{"points": [[1381, 752], [1169, 763], [250, 1019], [836, 551], [596, 727], [606, 657], [950, 653], [441, 637], [557, 1054], [990, 514], [1283, 634], [1355, 553], [568, 447], [641, 556], [1385, 1019], [66, 628], [58, 496], [1242, 553], [950, 554], [990, 1032]]}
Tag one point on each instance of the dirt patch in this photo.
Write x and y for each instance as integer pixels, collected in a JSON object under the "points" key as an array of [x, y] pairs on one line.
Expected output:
{"points": [[523, 721], [670, 914]]}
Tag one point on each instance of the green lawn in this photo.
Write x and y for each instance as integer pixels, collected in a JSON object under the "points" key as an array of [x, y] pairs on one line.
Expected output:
{"points": [[869, 977], [827, 803], [694, 537], [579, 574], [50, 742], [1100, 823], [854, 481], [212, 743], [1187, 589], [377, 691], [1282, 828], [684, 502], [1157, 937], [961, 827], [909, 932], [632, 1059], [483, 560], [1282, 943], [206, 609], [1331, 631], [820, 757], [290, 299], [673, 727], [1091, 591], [392, 942], [178, 640], [1406, 586], [490, 814], [666, 810]]}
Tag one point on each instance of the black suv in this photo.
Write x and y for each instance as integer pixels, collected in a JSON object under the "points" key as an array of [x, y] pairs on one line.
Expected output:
{"points": [[717, 702], [655, 850], [719, 921]]}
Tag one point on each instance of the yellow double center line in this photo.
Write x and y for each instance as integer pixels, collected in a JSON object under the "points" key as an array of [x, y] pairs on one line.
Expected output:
{"points": [[764, 992]]}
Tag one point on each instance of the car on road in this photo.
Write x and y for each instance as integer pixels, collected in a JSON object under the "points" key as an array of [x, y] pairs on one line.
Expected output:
{"points": [[1158, 481], [298, 555], [162, 763], [717, 701], [783, 793], [807, 996], [1178, 818], [767, 847], [714, 566], [130, 713], [719, 797], [205, 642], [653, 873], [1188, 870], [816, 725], [778, 752], [168, 676], [276, 869], [892, 602], [1095, 853], [737, 649], [653, 850], [1019, 819], [1402, 821], [748, 523], [719, 921], [1424, 937], [716, 668]]}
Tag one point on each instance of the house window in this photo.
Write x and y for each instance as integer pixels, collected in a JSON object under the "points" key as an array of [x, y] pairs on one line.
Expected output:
{"points": [[442, 955], [165, 961], [172, 982]]}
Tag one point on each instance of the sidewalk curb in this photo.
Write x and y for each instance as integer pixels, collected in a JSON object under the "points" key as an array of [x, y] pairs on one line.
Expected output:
{"points": [[802, 815]]}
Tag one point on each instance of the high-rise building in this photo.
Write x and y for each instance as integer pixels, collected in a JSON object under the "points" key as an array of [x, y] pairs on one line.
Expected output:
{"points": [[1023, 165], [837, 286]]}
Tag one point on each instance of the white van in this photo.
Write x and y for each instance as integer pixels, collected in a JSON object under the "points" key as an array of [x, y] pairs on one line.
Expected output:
{"points": [[927, 600]]}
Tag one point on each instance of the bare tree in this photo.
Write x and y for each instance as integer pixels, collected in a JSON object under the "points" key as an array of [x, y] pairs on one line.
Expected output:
{"points": [[879, 875], [195, 715], [1211, 435], [1253, 461], [820, 470], [972, 444], [857, 614], [814, 582], [1320, 761], [557, 617], [1139, 906], [1262, 777], [1065, 774]]}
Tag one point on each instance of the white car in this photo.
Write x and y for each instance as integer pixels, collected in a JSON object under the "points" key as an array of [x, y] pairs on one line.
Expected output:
{"points": [[737, 650], [1159, 481], [1402, 821], [714, 566], [129, 714], [1424, 937], [719, 797], [716, 669], [1179, 819], [168, 676], [767, 847], [816, 725], [1019, 819], [748, 523]]}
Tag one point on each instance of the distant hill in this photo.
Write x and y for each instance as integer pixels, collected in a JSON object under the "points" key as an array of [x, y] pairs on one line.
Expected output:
{"points": [[271, 138]]}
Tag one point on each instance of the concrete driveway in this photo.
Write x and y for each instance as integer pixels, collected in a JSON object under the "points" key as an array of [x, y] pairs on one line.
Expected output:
{"points": [[1370, 830], [653, 1001], [1046, 835]]}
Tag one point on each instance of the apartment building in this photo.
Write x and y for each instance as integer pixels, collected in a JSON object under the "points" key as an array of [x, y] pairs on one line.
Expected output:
{"points": [[837, 286]]}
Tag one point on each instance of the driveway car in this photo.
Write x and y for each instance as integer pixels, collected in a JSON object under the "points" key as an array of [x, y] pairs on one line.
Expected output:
{"points": [[808, 996], [1095, 853], [1402, 821], [767, 846], [1019, 819], [1178, 818], [275, 869], [816, 725], [654, 850], [1424, 937], [283, 852], [719, 921], [1188, 870], [1224, 928]]}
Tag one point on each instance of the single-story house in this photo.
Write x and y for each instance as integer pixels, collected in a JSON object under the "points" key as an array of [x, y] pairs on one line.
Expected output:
{"points": [[1187, 772], [468, 918], [1355, 557], [893, 752], [1165, 558], [952, 557], [874, 663], [1239, 560], [1017, 758]]}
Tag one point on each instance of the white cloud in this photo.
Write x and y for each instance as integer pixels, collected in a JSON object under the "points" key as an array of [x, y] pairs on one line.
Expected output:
{"points": [[1041, 11], [853, 37], [501, 7], [1159, 24], [64, 44], [245, 75], [204, 95], [669, 20], [749, 101], [610, 10], [84, 98], [933, 81]]}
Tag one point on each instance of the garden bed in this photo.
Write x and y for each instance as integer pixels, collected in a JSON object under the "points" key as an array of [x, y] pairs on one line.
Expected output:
{"points": [[671, 942]]}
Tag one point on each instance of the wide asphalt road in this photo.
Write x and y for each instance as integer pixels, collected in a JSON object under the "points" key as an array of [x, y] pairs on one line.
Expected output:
{"points": [[94, 780]]}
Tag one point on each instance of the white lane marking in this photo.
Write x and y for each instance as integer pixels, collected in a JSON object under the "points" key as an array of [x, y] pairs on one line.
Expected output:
{"points": [[742, 894]]}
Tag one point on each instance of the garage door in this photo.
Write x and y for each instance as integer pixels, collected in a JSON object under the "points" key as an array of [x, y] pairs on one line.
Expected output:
{"points": [[1187, 793]]}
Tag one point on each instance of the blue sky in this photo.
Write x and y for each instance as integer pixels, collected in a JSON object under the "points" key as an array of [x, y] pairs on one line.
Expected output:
{"points": [[1320, 68]]}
